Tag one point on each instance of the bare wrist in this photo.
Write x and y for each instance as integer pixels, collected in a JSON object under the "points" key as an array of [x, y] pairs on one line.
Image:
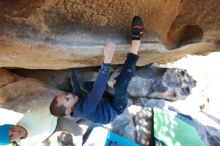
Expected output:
{"points": [[107, 61]]}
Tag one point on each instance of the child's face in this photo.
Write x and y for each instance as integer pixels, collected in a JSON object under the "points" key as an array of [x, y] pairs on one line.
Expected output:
{"points": [[17, 132], [68, 101]]}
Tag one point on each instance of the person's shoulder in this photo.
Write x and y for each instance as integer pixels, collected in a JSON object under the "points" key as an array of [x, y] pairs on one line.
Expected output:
{"points": [[76, 110]]}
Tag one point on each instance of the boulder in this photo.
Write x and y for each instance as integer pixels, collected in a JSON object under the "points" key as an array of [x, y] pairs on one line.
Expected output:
{"points": [[58, 34], [157, 82], [7, 77]]}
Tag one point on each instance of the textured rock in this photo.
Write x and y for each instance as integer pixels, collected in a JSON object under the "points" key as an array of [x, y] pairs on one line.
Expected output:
{"points": [[144, 126], [24, 87], [55, 21], [150, 103], [42, 56], [166, 83], [7, 77], [13, 86], [58, 79], [52, 34]]}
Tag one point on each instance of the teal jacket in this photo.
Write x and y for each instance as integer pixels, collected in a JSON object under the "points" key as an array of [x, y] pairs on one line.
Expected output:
{"points": [[4, 134]]}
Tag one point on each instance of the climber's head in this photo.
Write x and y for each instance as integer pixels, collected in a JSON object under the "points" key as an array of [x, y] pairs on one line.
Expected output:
{"points": [[63, 104]]}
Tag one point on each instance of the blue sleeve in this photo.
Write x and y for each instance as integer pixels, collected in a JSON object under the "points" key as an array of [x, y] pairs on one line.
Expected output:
{"points": [[94, 97], [75, 83]]}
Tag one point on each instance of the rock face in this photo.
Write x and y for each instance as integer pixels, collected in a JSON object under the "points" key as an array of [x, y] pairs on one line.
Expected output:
{"points": [[13, 86], [54, 34], [166, 83], [7, 77]]}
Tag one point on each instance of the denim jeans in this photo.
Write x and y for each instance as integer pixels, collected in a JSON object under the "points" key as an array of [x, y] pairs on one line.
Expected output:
{"points": [[120, 100]]}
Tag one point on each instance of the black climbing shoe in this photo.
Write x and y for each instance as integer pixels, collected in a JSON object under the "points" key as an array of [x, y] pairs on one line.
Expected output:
{"points": [[137, 28]]}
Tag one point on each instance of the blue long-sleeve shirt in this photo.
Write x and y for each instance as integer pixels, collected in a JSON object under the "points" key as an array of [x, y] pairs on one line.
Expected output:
{"points": [[92, 107]]}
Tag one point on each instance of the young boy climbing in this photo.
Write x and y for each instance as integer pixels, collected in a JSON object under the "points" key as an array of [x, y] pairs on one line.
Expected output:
{"points": [[92, 106]]}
